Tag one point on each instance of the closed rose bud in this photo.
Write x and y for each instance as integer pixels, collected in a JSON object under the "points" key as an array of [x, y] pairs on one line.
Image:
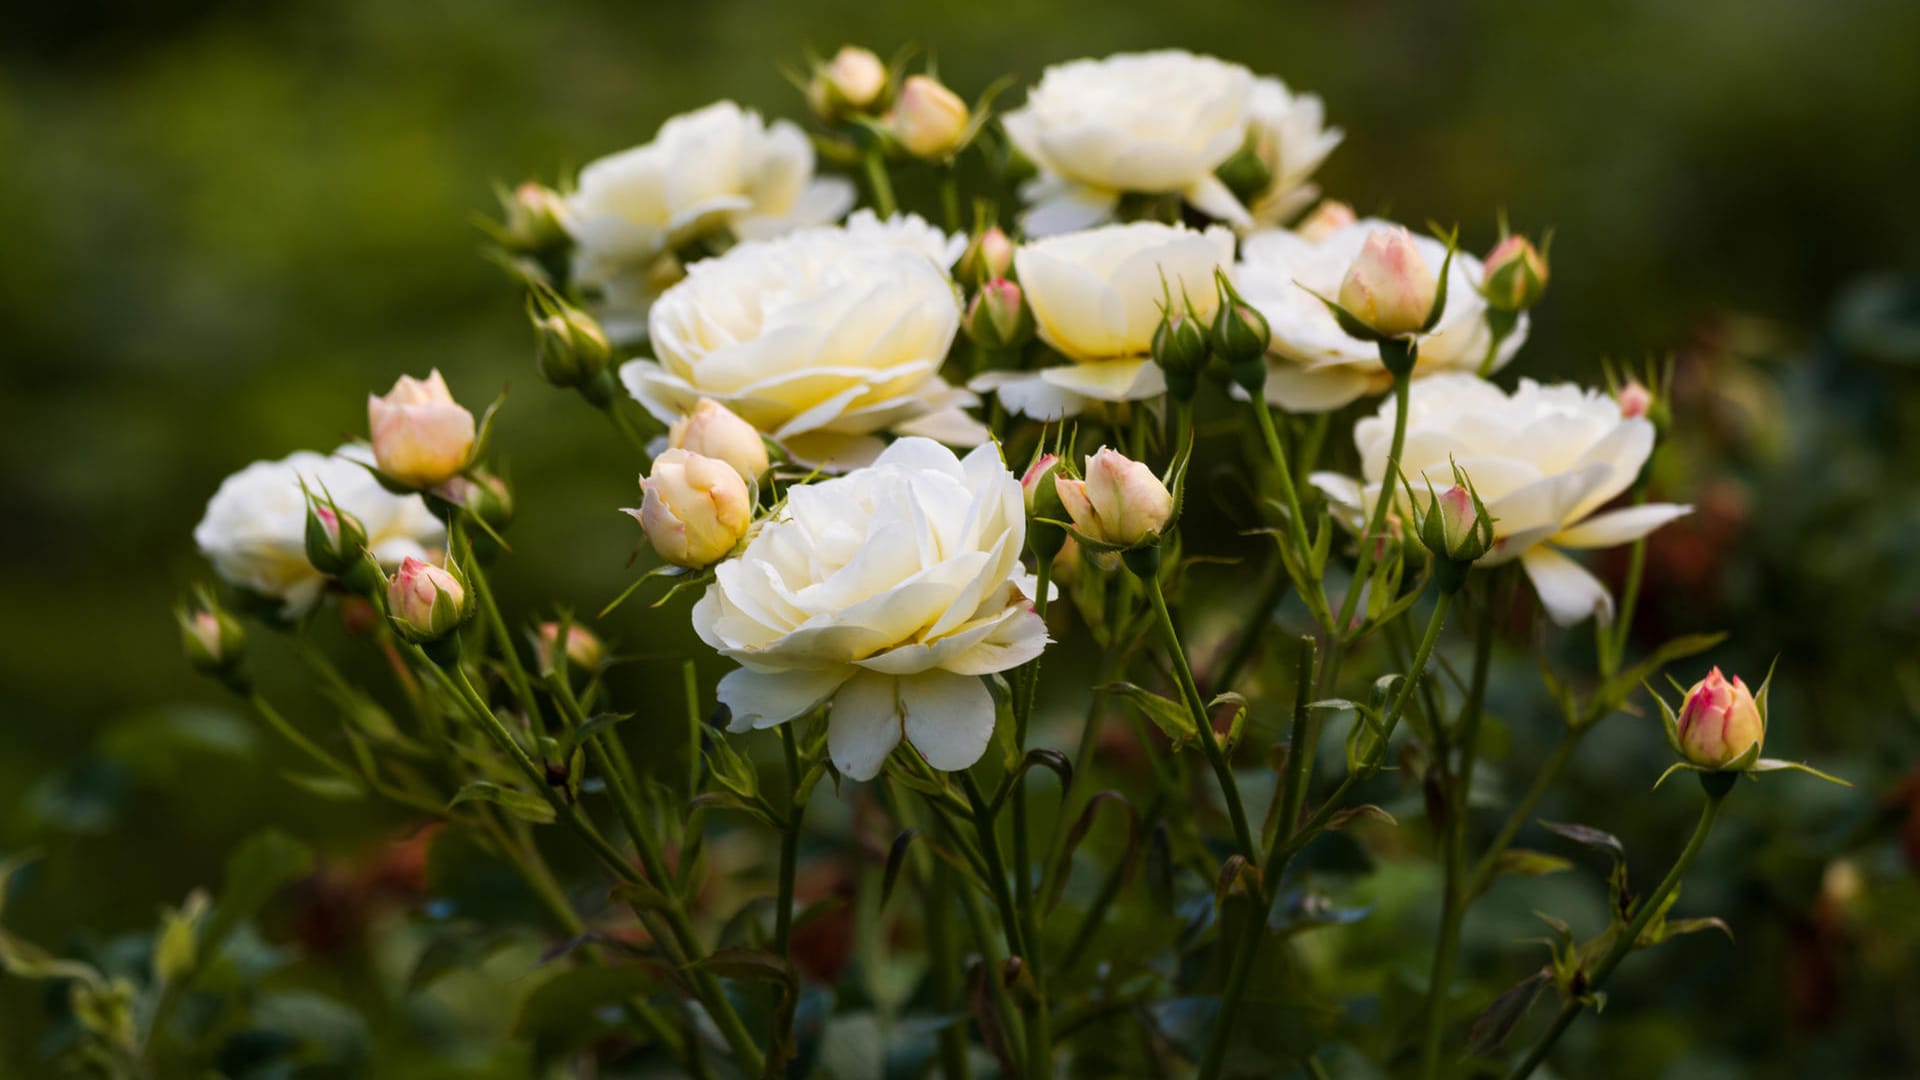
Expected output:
{"points": [[214, 642], [998, 318], [988, 256], [1389, 288], [482, 494], [1120, 503], [570, 349], [421, 436], [1328, 218], [929, 119], [1239, 335], [695, 509], [1516, 275], [715, 431], [583, 650], [1635, 399], [426, 602], [1180, 346], [1454, 532], [336, 541], [853, 81], [534, 218], [1037, 486], [1719, 722]]}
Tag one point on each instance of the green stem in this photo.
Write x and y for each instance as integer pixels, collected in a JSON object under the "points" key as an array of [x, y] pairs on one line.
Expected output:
{"points": [[1039, 1044], [1613, 640], [1197, 710], [789, 845], [1029, 687], [947, 986], [623, 424], [294, 735], [509, 649], [1109, 890], [1548, 772], [1296, 518], [1247, 642], [882, 184], [1402, 387], [1717, 786], [950, 197]]}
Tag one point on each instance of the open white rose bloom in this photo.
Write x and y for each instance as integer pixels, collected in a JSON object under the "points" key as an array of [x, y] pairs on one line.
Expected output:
{"points": [[1096, 298], [1544, 459], [1289, 131], [255, 527], [1152, 122], [720, 167], [1313, 364], [823, 340], [888, 592]]}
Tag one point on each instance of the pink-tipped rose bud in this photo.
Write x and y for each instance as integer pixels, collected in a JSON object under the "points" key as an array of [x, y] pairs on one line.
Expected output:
{"points": [[988, 256], [1516, 275], [1389, 287], [421, 436], [696, 509], [1120, 503], [213, 641], [427, 602], [1634, 399], [1328, 218], [998, 318], [583, 650], [535, 218], [1719, 721], [929, 119], [715, 431], [853, 81]]}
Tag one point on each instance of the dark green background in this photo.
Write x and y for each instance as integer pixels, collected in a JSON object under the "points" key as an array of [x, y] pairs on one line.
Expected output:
{"points": [[222, 223]]}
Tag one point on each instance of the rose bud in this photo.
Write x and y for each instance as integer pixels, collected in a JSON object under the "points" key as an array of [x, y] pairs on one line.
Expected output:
{"points": [[421, 436], [715, 431], [584, 652], [214, 641], [1043, 506], [695, 509], [1457, 532], [929, 119], [1240, 336], [534, 218], [989, 255], [1180, 348], [1516, 275], [426, 602], [1719, 722], [336, 541], [1120, 503], [1635, 399], [999, 319], [1328, 218], [853, 81], [570, 346], [1389, 288]]}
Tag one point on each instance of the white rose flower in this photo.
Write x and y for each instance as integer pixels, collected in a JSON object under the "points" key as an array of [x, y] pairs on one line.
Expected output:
{"points": [[823, 340], [254, 530], [1096, 298], [1543, 460], [721, 167], [888, 592], [1290, 133], [1314, 365], [1154, 122]]}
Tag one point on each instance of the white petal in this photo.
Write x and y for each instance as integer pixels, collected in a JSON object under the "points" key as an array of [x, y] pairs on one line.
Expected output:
{"points": [[1025, 393], [1213, 198], [951, 426], [949, 718], [1620, 526], [1069, 207], [1567, 590], [763, 700], [1299, 388], [1109, 380], [864, 725]]}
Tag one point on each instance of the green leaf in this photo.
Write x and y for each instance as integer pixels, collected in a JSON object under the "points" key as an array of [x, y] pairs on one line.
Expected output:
{"points": [[1170, 717], [1493, 1026], [1615, 690], [1776, 765], [1587, 836], [1084, 824], [330, 786], [1522, 862], [528, 808], [896, 858], [1363, 812], [262, 864]]}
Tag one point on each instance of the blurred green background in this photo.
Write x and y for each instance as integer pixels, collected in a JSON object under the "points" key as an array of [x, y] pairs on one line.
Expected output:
{"points": [[223, 223]]}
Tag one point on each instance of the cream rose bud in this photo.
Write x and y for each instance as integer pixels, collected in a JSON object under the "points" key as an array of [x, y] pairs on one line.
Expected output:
{"points": [[1634, 398], [715, 431], [583, 649], [1389, 287], [1328, 218], [886, 594], [534, 214], [853, 81], [695, 508], [1120, 502], [421, 436], [1452, 529], [1719, 721], [998, 317], [1516, 275], [988, 256], [929, 119], [428, 602]]}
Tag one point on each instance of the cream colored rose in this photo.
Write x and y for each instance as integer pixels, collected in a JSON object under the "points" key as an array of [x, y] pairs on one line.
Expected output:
{"points": [[254, 530], [713, 430], [1120, 502], [695, 508], [889, 593], [1289, 131], [823, 340], [421, 436], [1154, 122], [721, 168], [1544, 460], [1313, 364], [1096, 297]]}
